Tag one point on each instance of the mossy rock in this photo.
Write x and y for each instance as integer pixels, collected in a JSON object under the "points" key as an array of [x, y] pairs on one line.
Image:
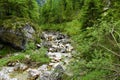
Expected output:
{"points": [[18, 31]]}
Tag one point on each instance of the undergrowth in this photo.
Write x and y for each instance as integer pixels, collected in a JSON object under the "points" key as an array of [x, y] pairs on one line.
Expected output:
{"points": [[35, 55]]}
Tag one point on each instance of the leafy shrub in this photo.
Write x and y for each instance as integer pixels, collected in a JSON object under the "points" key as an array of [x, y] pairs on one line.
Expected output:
{"points": [[40, 56], [24, 9], [97, 52], [72, 28]]}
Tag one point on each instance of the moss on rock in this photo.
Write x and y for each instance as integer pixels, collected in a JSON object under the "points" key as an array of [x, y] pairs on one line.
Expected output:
{"points": [[17, 31]]}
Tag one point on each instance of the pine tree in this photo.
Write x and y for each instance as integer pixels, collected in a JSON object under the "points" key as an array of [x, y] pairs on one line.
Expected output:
{"points": [[19, 8]]}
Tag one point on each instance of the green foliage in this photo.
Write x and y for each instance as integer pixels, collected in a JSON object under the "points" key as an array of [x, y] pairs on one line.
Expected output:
{"points": [[5, 51], [20, 57], [12, 58], [3, 62], [72, 28], [58, 11], [92, 24], [15, 23], [30, 46], [98, 49], [56, 27], [95, 75], [22, 8], [40, 56]]}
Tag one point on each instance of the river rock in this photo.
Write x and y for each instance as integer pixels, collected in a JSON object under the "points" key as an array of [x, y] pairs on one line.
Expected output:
{"points": [[33, 74], [4, 73], [45, 76], [55, 56], [38, 46], [17, 38], [20, 67], [29, 31], [43, 68], [11, 63], [52, 49], [59, 51], [69, 48], [65, 41], [4, 76], [46, 44], [57, 73], [61, 36]]}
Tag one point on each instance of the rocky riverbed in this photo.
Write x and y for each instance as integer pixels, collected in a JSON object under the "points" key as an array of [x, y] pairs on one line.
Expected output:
{"points": [[59, 51]]}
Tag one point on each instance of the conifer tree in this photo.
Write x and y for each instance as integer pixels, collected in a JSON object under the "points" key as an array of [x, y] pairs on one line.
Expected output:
{"points": [[19, 8]]}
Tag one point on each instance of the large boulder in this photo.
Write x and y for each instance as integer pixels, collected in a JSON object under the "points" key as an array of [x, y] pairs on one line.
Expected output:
{"points": [[56, 74], [17, 38]]}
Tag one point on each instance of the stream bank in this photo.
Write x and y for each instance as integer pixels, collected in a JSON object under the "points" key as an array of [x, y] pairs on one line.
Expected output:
{"points": [[59, 51]]}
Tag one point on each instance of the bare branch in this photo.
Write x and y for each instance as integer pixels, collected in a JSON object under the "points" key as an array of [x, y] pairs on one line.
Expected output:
{"points": [[109, 50], [114, 37]]}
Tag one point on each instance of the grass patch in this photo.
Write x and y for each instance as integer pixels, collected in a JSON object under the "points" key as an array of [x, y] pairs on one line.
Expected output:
{"points": [[6, 50], [95, 75], [70, 28], [3, 62], [19, 57], [36, 55], [40, 56]]}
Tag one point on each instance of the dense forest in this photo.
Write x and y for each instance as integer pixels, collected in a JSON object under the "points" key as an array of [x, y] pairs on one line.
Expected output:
{"points": [[92, 25]]}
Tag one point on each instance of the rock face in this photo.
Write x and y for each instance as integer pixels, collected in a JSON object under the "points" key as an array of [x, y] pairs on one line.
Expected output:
{"points": [[17, 38]]}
